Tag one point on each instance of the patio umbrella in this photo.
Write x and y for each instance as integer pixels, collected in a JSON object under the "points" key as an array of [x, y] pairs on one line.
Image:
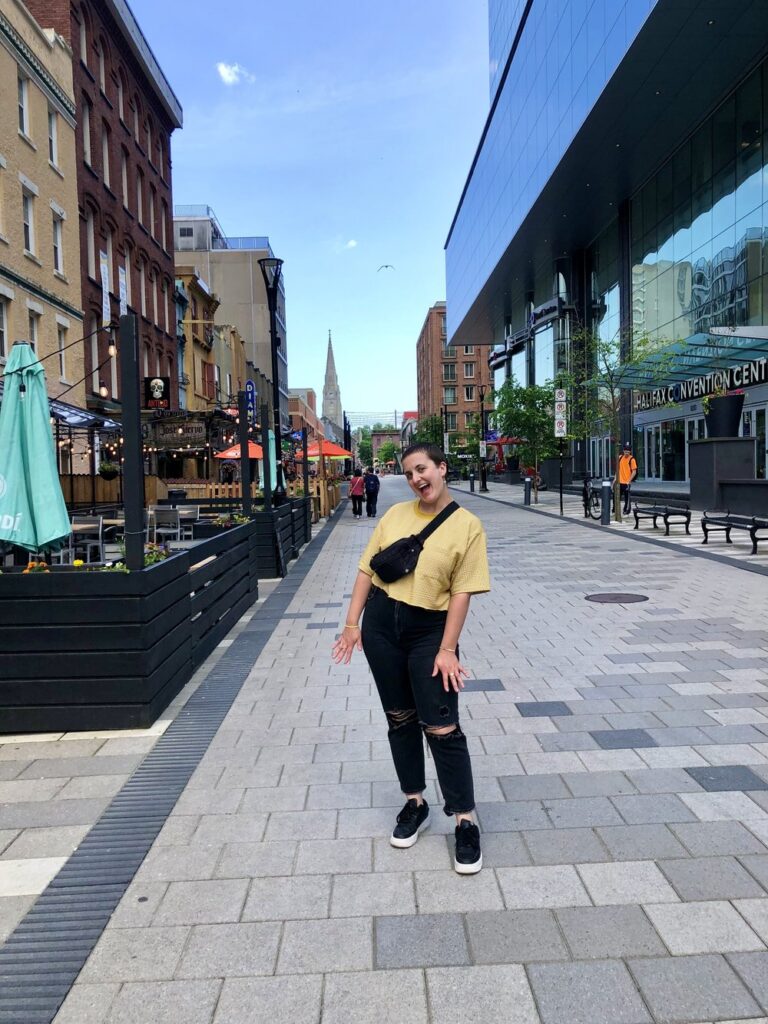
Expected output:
{"points": [[33, 515], [254, 452], [328, 449]]}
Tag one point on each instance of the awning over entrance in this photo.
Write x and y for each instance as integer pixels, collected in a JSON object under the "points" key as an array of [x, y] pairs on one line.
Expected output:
{"points": [[722, 350], [76, 418]]}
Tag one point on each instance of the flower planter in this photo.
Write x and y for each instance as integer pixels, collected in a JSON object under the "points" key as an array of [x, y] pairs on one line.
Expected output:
{"points": [[723, 417]]}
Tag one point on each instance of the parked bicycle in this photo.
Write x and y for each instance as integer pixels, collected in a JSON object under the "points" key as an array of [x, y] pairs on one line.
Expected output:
{"points": [[592, 497]]}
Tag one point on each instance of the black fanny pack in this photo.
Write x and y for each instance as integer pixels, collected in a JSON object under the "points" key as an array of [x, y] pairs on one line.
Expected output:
{"points": [[401, 557]]}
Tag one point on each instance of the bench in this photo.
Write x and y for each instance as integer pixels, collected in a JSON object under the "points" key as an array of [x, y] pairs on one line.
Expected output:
{"points": [[669, 511], [717, 521]]}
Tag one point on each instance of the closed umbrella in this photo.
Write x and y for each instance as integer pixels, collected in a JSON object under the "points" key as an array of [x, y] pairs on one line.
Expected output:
{"points": [[32, 510]]}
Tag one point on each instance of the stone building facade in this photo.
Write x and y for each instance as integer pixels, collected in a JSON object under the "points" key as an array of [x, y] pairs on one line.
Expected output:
{"points": [[40, 298], [126, 113]]}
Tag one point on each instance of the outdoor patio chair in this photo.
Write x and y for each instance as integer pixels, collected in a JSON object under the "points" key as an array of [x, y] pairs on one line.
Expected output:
{"points": [[88, 542], [164, 525], [188, 516]]}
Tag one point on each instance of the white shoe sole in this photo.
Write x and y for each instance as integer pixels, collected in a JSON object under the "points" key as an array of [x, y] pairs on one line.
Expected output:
{"points": [[468, 869], [405, 844]]}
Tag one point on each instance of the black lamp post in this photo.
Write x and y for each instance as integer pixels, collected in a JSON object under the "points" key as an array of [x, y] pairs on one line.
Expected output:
{"points": [[481, 390], [271, 268]]}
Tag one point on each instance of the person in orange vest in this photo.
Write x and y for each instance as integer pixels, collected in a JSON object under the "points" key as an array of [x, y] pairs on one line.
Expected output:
{"points": [[626, 472]]}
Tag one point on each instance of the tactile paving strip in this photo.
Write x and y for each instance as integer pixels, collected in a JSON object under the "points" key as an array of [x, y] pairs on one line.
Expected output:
{"points": [[43, 956]]}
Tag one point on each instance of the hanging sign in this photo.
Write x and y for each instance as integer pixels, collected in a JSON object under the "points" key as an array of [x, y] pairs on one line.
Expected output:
{"points": [[122, 280], [106, 311], [250, 401]]}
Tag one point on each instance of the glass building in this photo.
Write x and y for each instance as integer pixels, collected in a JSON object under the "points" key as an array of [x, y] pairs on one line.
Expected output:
{"points": [[620, 186]]}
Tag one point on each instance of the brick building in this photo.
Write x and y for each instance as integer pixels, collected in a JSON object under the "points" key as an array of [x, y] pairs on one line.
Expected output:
{"points": [[448, 376], [126, 112]]}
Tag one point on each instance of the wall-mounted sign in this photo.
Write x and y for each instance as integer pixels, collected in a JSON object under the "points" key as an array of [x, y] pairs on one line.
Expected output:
{"points": [[157, 392], [746, 375], [250, 401], [180, 433]]}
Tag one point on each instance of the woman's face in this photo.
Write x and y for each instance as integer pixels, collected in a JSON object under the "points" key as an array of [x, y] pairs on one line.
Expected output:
{"points": [[426, 479]]}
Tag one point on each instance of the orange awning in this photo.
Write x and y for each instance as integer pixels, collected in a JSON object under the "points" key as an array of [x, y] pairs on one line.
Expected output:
{"points": [[329, 449], [254, 452]]}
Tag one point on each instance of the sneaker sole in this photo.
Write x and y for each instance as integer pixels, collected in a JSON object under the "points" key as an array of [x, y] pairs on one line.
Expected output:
{"points": [[468, 869], [406, 844]]}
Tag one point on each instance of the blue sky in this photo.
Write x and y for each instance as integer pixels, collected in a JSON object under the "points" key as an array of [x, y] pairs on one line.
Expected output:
{"points": [[345, 132]]}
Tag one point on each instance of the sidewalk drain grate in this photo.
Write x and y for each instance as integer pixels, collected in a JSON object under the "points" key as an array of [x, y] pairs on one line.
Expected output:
{"points": [[43, 956], [616, 598]]}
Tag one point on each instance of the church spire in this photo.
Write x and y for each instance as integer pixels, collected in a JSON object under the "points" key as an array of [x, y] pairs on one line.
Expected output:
{"points": [[331, 392]]}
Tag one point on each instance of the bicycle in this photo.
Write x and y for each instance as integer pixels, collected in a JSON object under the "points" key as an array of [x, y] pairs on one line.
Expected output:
{"points": [[593, 505]]}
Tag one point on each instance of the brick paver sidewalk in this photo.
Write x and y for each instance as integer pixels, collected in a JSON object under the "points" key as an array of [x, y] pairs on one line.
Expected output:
{"points": [[621, 756]]}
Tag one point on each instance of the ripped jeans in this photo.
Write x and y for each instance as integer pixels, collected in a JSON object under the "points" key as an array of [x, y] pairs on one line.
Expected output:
{"points": [[401, 642]]}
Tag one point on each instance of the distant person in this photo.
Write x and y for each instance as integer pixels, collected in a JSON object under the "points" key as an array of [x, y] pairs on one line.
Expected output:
{"points": [[410, 636], [626, 472], [356, 492], [372, 484]]}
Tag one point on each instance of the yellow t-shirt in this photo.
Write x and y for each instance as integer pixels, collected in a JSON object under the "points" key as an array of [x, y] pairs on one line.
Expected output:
{"points": [[454, 559]]}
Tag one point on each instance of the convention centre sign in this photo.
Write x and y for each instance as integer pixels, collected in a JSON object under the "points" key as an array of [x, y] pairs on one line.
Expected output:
{"points": [[743, 376]]}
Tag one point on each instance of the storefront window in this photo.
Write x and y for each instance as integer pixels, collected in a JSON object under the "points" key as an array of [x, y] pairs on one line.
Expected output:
{"points": [[519, 367], [544, 344], [673, 449]]}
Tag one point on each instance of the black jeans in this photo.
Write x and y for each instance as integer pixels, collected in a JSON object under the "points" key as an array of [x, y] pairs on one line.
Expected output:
{"points": [[357, 504], [400, 643], [370, 503], [625, 496]]}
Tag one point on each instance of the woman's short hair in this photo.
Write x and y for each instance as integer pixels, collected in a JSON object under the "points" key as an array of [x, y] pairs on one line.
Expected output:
{"points": [[357, 472], [437, 455]]}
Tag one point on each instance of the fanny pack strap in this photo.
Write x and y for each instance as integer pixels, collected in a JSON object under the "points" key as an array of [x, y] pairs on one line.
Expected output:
{"points": [[439, 519]]}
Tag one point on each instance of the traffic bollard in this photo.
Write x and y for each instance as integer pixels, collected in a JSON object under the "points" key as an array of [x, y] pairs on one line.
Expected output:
{"points": [[527, 490], [605, 503], [472, 480]]}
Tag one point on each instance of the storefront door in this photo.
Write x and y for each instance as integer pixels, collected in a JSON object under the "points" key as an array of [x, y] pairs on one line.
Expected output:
{"points": [[754, 425], [653, 451]]}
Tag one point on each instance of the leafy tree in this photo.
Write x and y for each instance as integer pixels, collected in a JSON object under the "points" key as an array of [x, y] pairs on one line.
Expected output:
{"points": [[387, 451], [429, 431], [365, 447], [528, 413]]}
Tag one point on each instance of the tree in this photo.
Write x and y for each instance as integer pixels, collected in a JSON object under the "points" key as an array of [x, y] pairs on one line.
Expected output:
{"points": [[365, 447], [527, 413], [429, 431], [387, 451]]}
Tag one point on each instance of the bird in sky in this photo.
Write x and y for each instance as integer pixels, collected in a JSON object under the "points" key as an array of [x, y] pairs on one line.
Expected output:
{"points": [[385, 266]]}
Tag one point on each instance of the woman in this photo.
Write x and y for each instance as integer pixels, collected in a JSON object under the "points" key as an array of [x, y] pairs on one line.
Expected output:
{"points": [[410, 636], [356, 492]]}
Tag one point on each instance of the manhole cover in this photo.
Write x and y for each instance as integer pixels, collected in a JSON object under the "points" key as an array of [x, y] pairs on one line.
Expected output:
{"points": [[616, 598]]}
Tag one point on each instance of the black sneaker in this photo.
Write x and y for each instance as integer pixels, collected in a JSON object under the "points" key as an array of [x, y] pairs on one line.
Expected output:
{"points": [[468, 859], [410, 821]]}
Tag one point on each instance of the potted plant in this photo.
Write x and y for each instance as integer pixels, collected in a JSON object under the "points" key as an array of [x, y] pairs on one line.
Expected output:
{"points": [[722, 412], [203, 529], [108, 470]]}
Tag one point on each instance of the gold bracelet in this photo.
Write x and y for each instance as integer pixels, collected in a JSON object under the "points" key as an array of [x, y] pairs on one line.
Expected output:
{"points": [[351, 625], [451, 650]]}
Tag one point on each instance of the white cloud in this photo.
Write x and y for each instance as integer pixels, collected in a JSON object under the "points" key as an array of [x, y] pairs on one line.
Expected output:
{"points": [[233, 74], [351, 244]]}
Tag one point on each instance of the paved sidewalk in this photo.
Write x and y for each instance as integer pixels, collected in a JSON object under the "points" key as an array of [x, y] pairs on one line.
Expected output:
{"points": [[621, 761]]}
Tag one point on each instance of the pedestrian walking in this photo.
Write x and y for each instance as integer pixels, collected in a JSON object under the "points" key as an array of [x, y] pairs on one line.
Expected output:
{"points": [[413, 615], [372, 484], [626, 471], [356, 492]]}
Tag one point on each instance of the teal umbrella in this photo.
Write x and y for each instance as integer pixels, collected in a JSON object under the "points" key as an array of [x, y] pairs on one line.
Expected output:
{"points": [[32, 510]]}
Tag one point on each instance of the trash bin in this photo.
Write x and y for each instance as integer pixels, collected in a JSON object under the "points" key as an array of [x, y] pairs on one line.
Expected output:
{"points": [[176, 494]]}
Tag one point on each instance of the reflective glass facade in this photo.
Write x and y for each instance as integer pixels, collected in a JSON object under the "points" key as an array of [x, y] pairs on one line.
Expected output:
{"points": [[567, 54], [503, 20]]}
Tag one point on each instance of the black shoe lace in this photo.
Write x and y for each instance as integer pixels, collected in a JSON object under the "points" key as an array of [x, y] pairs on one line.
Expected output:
{"points": [[468, 838], [408, 813]]}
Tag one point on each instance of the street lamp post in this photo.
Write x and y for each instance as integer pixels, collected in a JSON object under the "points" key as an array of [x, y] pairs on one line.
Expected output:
{"points": [[481, 390], [271, 268]]}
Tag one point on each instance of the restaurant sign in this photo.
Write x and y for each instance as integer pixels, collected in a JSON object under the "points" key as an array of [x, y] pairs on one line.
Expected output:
{"points": [[743, 376], [180, 433]]}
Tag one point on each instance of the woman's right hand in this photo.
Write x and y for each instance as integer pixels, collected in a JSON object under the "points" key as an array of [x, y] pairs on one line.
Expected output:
{"points": [[348, 640]]}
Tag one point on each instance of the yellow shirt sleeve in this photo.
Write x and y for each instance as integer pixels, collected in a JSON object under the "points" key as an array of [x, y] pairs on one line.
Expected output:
{"points": [[471, 575]]}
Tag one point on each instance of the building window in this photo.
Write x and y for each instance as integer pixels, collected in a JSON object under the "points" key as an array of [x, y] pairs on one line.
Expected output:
{"points": [[102, 67], [146, 360], [90, 242], [136, 118], [53, 137], [449, 371], [61, 336], [442, 325], [3, 328], [28, 217], [58, 251], [152, 201], [124, 176], [468, 416], [120, 96], [87, 132], [449, 352], [164, 224], [23, 105], [469, 370], [110, 264], [185, 232], [154, 302], [149, 140], [449, 396], [469, 350], [161, 158], [140, 197], [105, 155], [83, 40], [469, 393], [166, 321], [229, 386], [34, 330], [451, 421], [143, 287]]}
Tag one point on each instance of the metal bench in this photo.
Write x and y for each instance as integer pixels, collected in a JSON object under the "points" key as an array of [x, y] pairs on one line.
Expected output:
{"points": [[669, 511], [723, 521]]}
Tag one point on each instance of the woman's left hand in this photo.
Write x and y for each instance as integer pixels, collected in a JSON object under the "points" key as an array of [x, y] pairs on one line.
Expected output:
{"points": [[450, 668]]}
